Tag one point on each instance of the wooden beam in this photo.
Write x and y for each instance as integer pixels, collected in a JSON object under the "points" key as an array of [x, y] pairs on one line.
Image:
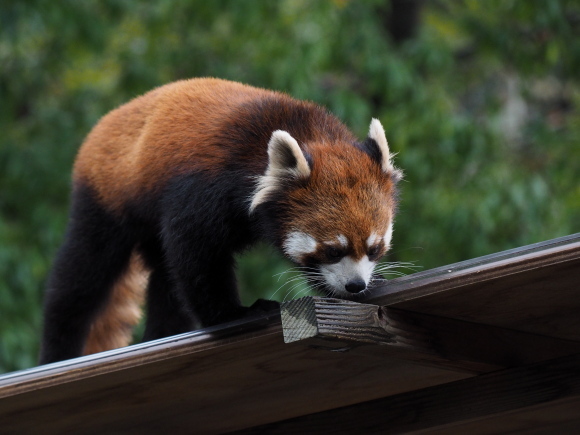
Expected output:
{"points": [[340, 325], [475, 271], [133, 357], [539, 399], [533, 289], [438, 331], [216, 380]]}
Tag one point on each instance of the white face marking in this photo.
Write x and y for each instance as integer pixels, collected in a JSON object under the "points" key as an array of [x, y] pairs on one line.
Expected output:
{"points": [[298, 244], [342, 240], [389, 235], [373, 239], [339, 274]]}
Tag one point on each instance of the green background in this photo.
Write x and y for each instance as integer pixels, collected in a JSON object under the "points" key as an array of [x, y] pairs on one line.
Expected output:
{"points": [[479, 98]]}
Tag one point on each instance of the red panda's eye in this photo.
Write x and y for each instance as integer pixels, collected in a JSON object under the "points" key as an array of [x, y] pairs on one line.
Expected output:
{"points": [[374, 251], [334, 253]]}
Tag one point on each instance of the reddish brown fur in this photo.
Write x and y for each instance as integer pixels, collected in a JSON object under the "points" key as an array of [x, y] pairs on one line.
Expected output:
{"points": [[137, 148], [347, 194]]}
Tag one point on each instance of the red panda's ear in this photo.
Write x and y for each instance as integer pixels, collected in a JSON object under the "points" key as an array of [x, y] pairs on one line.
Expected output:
{"points": [[285, 159], [377, 133], [285, 156]]}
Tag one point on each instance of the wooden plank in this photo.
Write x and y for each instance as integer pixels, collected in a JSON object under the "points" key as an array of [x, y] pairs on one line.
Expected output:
{"points": [[534, 289], [561, 417], [241, 375], [529, 399], [137, 355], [214, 381], [491, 266], [362, 328]]}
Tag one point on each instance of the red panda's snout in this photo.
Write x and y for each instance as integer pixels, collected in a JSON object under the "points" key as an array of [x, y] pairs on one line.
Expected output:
{"points": [[338, 266]]}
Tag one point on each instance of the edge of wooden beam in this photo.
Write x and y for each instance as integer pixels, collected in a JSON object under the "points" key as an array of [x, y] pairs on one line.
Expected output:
{"points": [[139, 354], [475, 271], [339, 325]]}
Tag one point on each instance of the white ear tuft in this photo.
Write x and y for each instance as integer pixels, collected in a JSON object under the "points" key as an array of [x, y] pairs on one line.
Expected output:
{"points": [[285, 156], [285, 159], [377, 133]]}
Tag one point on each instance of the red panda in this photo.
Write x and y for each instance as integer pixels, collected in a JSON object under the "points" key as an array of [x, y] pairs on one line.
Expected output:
{"points": [[191, 173]]}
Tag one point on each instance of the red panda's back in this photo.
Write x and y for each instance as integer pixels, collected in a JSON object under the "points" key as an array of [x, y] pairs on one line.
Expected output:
{"points": [[137, 147]]}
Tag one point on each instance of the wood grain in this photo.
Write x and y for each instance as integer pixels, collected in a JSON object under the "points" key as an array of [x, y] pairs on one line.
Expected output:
{"points": [[234, 377], [530, 399]]}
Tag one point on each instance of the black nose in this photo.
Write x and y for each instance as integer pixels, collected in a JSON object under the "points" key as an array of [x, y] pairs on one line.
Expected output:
{"points": [[355, 286]]}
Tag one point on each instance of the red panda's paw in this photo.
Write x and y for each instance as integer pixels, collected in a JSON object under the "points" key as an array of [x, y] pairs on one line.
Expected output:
{"points": [[263, 306]]}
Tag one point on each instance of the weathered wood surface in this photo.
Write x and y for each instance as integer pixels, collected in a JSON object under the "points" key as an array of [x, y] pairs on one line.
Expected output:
{"points": [[206, 382], [242, 375], [535, 288], [542, 398], [349, 326]]}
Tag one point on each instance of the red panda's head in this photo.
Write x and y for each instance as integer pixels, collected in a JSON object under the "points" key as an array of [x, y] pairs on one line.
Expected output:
{"points": [[333, 205]]}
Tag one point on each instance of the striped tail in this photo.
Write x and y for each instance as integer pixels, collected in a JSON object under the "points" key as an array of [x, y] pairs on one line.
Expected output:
{"points": [[113, 327]]}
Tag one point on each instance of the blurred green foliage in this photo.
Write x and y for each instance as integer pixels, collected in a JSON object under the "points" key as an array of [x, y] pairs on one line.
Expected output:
{"points": [[481, 104]]}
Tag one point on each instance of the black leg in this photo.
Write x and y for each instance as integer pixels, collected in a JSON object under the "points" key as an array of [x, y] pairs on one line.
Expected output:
{"points": [[202, 227], [165, 313], [206, 281], [95, 253], [209, 288], [201, 265]]}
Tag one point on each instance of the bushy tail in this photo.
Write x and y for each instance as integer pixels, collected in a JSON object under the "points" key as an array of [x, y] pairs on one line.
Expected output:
{"points": [[113, 327]]}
